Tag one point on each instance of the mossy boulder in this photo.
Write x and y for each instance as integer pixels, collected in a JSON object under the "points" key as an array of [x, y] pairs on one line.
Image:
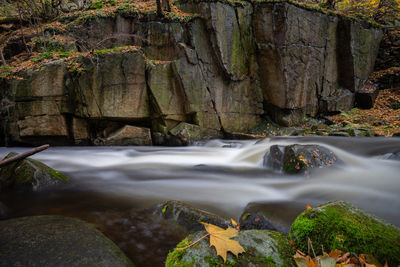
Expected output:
{"points": [[56, 241], [29, 175], [296, 158], [188, 216], [262, 248], [339, 225]]}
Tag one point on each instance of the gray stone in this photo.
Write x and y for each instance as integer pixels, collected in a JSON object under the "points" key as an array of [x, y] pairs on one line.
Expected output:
{"points": [[56, 241], [296, 158], [188, 216]]}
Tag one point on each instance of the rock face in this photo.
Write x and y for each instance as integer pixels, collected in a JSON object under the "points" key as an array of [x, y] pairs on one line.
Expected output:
{"points": [[56, 241], [339, 225], [262, 248], [29, 175], [299, 158], [215, 75]]}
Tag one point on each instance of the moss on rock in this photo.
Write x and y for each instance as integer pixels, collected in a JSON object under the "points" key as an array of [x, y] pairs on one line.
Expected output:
{"points": [[339, 225], [262, 248], [30, 175]]}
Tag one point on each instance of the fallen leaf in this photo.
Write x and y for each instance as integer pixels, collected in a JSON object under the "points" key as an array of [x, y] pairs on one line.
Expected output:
{"points": [[335, 254], [326, 261], [221, 240]]}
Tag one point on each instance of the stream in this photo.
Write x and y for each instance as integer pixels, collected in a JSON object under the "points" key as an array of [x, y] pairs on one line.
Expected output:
{"points": [[109, 183]]}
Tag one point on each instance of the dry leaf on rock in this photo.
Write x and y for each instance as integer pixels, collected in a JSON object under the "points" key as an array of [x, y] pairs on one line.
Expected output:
{"points": [[221, 240]]}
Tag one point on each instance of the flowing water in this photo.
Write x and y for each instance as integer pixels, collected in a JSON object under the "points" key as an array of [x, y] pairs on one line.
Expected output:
{"points": [[220, 176]]}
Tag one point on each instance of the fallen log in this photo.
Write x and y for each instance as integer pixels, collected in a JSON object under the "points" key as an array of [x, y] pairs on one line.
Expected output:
{"points": [[23, 155]]}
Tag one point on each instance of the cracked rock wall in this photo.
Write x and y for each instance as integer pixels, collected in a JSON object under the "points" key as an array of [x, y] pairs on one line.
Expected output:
{"points": [[216, 75]]}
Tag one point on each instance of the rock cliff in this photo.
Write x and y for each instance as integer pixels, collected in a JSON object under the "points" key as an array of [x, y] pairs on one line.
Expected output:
{"points": [[169, 81]]}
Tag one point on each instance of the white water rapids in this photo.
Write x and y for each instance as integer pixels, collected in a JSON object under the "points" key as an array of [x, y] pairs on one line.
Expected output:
{"points": [[224, 176]]}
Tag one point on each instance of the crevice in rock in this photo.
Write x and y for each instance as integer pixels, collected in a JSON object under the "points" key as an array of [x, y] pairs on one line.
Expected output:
{"points": [[345, 63], [216, 112]]}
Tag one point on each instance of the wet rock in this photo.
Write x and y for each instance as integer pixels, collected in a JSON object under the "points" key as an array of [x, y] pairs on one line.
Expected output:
{"points": [[392, 156], [271, 216], [29, 175], [339, 225], [188, 216], [250, 221], [294, 159], [127, 136], [262, 248], [56, 241]]}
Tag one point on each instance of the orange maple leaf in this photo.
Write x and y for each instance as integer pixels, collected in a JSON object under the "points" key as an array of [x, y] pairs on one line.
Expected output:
{"points": [[221, 240]]}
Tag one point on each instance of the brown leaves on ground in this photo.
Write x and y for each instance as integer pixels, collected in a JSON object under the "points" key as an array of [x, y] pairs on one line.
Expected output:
{"points": [[336, 258], [221, 240], [383, 118]]}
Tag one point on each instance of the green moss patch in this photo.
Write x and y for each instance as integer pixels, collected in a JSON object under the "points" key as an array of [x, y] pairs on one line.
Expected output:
{"points": [[338, 225]]}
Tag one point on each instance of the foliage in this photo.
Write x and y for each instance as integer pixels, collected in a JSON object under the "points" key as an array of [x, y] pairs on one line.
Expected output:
{"points": [[221, 240], [336, 258]]}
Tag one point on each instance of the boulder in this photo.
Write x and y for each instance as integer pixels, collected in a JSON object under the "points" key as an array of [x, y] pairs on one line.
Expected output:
{"points": [[29, 175], [188, 216], [262, 248], [277, 216], [56, 241], [339, 225], [365, 98], [296, 158], [186, 132], [127, 136]]}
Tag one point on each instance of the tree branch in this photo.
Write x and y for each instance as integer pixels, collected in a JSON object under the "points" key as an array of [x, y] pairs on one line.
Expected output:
{"points": [[23, 155]]}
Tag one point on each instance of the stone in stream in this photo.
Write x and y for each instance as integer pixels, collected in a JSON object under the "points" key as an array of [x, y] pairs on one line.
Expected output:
{"points": [[262, 248], [188, 216], [339, 225], [296, 158], [270, 216], [56, 241], [29, 175]]}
